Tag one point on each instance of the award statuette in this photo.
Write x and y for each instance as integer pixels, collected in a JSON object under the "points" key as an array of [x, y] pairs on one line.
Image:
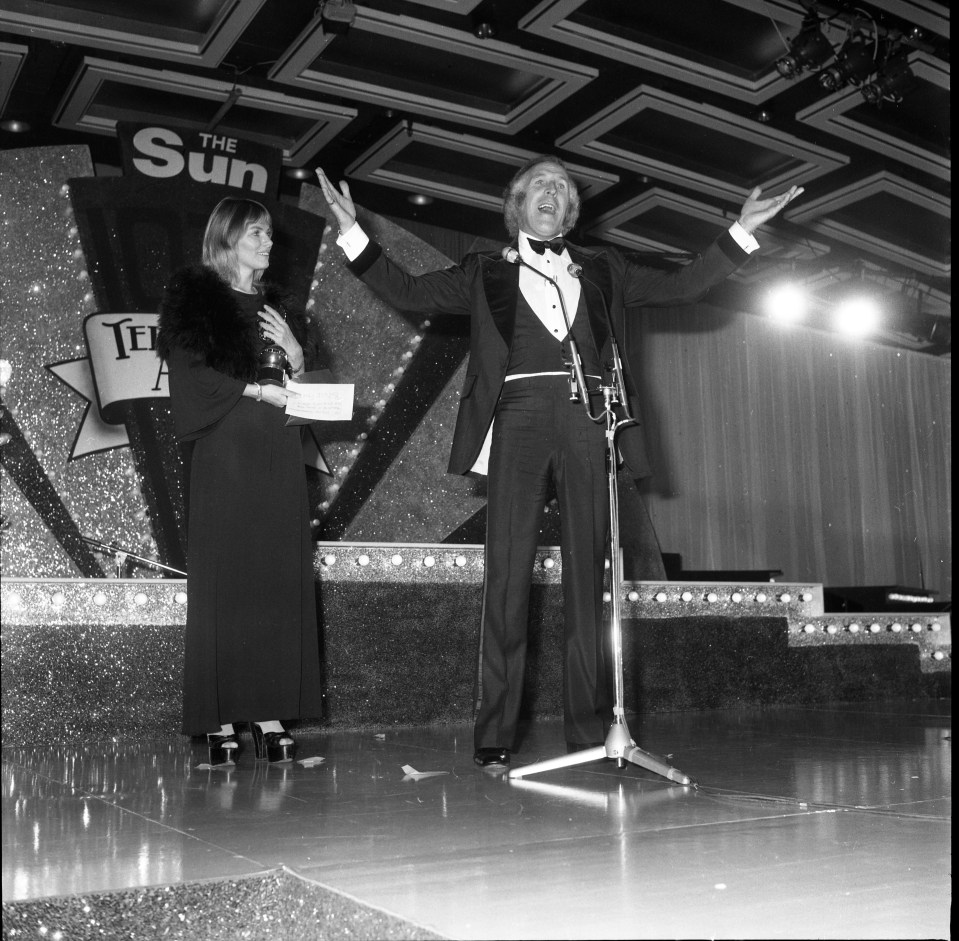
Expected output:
{"points": [[272, 366]]}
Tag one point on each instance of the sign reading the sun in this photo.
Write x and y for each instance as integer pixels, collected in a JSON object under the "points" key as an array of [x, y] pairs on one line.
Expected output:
{"points": [[164, 152]]}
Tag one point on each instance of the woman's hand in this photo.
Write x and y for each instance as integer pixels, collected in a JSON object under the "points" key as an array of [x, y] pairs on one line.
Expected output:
{"points": [[276, 395], [273, 327], [340, 202]]}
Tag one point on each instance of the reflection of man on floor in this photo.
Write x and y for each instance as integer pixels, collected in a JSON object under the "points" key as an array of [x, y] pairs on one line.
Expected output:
{"points": [[516, 421]]}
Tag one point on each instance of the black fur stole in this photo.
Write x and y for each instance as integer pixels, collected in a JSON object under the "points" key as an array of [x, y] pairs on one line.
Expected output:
{"points": [[199, 313]]}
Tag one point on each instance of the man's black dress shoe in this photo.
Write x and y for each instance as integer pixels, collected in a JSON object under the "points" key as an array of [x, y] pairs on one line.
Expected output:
{"points": [[492, 758], [572, 747]]}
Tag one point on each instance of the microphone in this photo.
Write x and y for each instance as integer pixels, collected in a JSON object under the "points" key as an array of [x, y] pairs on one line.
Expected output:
{"points": [[577, 380], [617, 365]]}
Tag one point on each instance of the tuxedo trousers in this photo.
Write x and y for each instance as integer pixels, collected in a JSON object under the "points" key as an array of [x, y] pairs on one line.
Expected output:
{"points": [[542, 442]]}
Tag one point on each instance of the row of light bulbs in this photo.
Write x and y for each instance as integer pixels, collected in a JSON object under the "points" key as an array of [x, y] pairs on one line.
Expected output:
{"points": [[712, 597], [58, 599], [854, 627]]}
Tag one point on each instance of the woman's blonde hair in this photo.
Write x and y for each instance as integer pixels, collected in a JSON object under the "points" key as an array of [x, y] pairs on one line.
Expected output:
{"points": [[224, 228]]}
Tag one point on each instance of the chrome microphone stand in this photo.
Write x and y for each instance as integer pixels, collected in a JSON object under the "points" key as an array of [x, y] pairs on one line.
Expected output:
{"points": [[619, 744], [122, 556]]}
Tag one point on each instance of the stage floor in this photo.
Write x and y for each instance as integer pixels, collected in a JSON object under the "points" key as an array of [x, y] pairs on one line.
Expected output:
{"points": [[807, 822]]}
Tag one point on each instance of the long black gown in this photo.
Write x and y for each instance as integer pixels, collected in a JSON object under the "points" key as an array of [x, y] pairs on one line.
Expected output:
{"points": [[252, 645]]}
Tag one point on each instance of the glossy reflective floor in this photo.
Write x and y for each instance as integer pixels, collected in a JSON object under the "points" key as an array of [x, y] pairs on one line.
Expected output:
{"points": [[824, 822]]}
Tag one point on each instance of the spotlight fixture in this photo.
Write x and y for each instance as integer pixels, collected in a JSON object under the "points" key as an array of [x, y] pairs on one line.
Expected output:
{"points": [[854, 62], [893, 79], [808, 50], [337, 15], [14, 126]]}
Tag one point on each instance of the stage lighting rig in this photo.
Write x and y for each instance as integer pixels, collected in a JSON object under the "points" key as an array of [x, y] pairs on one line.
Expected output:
{"points": [[881, 25], [894, 78], [855, 62], [809, 49]]}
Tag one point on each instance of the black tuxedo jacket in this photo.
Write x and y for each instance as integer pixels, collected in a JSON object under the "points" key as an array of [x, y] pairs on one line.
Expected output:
{"points": [[485, 287]]}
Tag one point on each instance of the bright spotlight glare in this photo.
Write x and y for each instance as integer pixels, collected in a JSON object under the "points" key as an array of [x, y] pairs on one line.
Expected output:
{"points": [[857, 316], [786, 303]]}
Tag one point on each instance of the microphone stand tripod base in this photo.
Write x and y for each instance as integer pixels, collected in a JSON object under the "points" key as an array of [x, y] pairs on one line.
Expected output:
{"points": [[618, 746]]}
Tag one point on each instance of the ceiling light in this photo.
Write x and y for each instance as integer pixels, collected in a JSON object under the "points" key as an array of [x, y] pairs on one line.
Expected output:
{"points": [[857, 316], [337, 15], [420, 199], [787, 303], [808, 50], [14, 126], [894, 78], [853, 64]]}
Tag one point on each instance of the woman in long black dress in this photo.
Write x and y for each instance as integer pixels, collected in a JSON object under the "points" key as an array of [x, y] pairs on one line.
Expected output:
{"points": [[252, 649]]}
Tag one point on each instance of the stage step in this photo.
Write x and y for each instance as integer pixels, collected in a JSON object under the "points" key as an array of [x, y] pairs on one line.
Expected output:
{"points": [[163, 601], [83, 658]]}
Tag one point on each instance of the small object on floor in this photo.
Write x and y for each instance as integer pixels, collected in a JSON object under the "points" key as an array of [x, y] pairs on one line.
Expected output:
{"points": [[413, 775], [311, 762], [492, 758]]}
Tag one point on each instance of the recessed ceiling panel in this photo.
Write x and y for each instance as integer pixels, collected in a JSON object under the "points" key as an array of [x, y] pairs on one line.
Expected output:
{"points": [[453, 166], [659, 220], [105, 92], [888, 215], [698, 146], [732, 53], [172, 30], [426, 68], [11, 59]]}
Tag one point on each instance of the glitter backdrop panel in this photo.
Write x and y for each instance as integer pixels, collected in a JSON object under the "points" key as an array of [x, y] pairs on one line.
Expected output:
{"points": [[416, 498], [373, 346], [46, 294]]}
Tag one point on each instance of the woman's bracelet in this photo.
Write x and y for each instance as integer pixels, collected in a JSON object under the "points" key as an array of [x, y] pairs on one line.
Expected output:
{"points": [[259, 392]]}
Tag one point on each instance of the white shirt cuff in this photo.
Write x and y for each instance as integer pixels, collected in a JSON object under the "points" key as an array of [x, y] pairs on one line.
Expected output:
{"points": [[742, 238], [353, 241]]}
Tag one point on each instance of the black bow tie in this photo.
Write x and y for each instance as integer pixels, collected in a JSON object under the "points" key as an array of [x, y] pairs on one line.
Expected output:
{"points": [[555, 245]]}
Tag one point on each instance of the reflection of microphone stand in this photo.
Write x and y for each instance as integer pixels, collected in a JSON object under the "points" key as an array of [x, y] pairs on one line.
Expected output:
{"points": [[619, 743], [121, 556], [619, 801]]}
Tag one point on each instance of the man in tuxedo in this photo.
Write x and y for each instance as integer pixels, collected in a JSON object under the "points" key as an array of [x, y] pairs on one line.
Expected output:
{"points": [[516, 421]]}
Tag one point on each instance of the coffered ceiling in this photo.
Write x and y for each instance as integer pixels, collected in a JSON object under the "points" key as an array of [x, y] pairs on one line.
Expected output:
{"points": [[667, 113]]}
